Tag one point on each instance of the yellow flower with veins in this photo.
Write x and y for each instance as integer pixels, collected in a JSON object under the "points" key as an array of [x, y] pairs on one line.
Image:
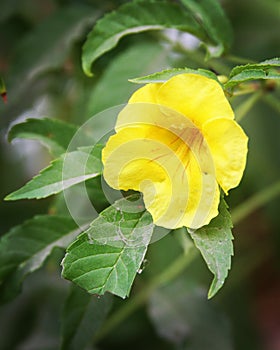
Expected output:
{"points": [[178, 144]]}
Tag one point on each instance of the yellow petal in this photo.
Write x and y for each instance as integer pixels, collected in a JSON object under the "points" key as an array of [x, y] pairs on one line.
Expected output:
{"points": [[197, 97], [192, 198], [139, 113], [127, 159], [176, 177], [142, 107], [147, 94], [228, 145], [204, 196]]}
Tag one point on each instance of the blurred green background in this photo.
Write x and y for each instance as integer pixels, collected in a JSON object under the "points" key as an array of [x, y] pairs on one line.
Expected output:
{"points": [[40, 49]]}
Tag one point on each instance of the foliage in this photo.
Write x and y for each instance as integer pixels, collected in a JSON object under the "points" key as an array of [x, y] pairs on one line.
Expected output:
{"points": [[47, 60], [107, 256], [215, 244]]}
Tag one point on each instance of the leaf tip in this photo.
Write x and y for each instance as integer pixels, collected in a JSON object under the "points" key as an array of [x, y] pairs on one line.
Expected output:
{"points": [[89, 73], [211, 293], [216, 285], [9, 197], [132, 80], [87, 69]]}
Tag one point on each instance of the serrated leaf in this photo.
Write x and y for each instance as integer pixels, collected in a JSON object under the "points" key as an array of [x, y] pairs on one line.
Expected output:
{"points": [[82, 316], [108, 255], [25, 248], [180, 313], [273, 62], [64, 172], [132, 18], [215, 22], [251, 74], [262, 66], [53, 133], [161, 77], [215, 244]]}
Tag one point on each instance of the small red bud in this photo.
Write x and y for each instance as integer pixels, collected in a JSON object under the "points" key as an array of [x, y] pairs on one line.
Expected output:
{"points": [[4, 97]]}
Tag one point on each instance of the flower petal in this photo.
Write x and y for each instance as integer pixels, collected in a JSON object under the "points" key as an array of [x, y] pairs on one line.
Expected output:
{"points": [[192, 199], [147, 94], [176, 177], [228, 145], [142, 107], [144, 113], [197, 97]]}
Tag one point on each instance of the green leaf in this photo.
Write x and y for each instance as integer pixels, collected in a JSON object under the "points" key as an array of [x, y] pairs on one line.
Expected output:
{"points": [[262, 66], [251, 74], [52, 133], [68, 170], [82, 316], [215, 22], [25, 248], [254, 71], [108, 255], [215, 244], [181, 314], [161, 77], [132, 18]]}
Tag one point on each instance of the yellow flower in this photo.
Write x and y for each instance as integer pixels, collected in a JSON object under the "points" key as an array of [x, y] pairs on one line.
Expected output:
{"points": [[177, 143]]}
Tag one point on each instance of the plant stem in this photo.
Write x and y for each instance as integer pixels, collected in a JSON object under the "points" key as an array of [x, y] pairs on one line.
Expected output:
{"points": [[244, 107], [239, 60], [135, 302], [256, 201]]}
